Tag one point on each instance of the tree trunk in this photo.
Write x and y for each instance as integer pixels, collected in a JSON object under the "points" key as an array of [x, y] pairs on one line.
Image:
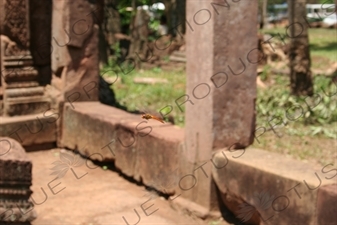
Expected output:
{"points": [[264, 14], [169, 4], [181, 17], [299, 54], [175, 11], [139, 36]]}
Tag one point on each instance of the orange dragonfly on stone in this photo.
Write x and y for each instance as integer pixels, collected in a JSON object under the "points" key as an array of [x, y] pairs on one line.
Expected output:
{"points": [[149, 116]]}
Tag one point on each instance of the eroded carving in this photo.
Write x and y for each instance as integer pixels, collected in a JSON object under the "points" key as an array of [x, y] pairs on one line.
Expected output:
{"points": [[10, 47], [16, 21]]}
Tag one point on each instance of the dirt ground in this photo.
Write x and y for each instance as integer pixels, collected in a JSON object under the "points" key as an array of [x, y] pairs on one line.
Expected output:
{"points": [[86, 194]]}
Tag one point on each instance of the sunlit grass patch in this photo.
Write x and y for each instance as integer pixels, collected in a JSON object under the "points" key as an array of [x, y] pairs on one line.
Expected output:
{"points": [[152, 97]]}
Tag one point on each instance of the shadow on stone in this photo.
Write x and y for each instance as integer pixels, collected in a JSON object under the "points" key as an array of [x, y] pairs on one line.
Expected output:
{"points": [[110, 165], [226, 214]]}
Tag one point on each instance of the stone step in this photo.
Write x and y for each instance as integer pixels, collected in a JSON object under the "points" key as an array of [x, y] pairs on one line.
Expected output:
{"points": [[30, 130], [24, 55], [25, 105], [24, 92], [20, 75], [16, 61], [26, 84]]}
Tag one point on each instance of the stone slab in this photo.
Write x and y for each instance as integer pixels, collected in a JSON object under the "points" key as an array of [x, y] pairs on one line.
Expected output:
{"points": [[91, 126], [26, 105], [27, 84], [19, 74], [278, 189], [30, 130], [23, 92], [161, 147], [105, 133]]}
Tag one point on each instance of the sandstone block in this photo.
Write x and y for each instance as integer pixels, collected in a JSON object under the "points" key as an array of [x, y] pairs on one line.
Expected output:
{"points": [[277, 189], [145, 150], [158, 157], [31, 130]]}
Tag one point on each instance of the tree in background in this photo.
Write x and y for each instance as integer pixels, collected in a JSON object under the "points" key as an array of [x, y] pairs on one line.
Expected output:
{"points": [[264, 13], [299, 54], [175, 11]]}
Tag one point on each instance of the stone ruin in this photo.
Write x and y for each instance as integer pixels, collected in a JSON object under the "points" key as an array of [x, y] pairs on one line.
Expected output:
{"points": [[57, 66], [15, 182], [21, 85], [40, 69]]}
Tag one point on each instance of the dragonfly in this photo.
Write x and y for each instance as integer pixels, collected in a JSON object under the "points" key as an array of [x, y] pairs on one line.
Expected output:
{"points": [[148, 116]]}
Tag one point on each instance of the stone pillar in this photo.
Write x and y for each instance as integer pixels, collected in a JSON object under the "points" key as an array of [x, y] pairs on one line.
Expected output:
{"points": [[75, 56], [221, 87]]}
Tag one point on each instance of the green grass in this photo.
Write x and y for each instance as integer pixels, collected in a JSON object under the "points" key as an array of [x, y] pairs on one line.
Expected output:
{"points": [[152, 97], [312, 137], [323, 44]]}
